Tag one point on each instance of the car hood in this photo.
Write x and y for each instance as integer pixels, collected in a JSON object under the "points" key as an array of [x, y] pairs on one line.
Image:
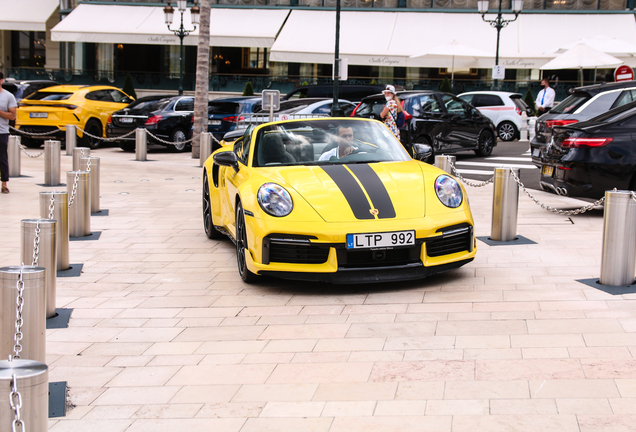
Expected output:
{"points": [[348, 193]]}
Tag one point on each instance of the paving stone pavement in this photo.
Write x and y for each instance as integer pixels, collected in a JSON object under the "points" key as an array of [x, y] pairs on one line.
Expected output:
{"points": [[165, 336]]}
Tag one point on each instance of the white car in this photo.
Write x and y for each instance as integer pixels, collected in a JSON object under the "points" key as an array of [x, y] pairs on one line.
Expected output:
{"points": [[503, 108]]}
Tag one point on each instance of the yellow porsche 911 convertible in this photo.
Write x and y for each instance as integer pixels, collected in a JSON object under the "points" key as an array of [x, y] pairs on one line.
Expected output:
{"points": [[335, 200]]}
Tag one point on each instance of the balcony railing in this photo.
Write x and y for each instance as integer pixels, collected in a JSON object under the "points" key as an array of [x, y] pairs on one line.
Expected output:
{"points": [[228, 83]]}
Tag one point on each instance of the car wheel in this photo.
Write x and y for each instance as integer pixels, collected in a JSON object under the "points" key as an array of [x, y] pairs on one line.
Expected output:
{"points": [[127, 147], [208, 223], [241, 246], [506, 131], [178, 137], [93, 127], [486, 144]]}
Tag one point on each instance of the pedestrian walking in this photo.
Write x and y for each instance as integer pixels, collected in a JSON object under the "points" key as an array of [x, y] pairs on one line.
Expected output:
{"points": [[545, 98], [391, 110], [7, 112]]}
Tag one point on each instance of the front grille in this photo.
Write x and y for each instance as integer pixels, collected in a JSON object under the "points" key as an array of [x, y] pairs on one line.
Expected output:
{"points": [[293, 250], [379, 257], [450, 244]]}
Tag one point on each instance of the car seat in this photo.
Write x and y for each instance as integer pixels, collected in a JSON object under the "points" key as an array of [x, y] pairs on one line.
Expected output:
{"points": [[272, 151]]}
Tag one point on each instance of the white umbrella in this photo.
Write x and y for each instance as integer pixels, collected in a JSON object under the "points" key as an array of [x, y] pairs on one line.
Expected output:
{"points": [[604, 44], [581, 56], [454, 49]]}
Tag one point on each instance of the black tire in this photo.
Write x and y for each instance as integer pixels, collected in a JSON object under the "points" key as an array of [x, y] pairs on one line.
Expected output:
{"points": [[486, 144], [178, 136], [93, 127], [127, 147], [241, 246], [208, 222], [507, 131]]}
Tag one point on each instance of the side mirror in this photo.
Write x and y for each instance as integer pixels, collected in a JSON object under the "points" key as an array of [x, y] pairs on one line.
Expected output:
{"points": [[422, 152], [227, 158]]}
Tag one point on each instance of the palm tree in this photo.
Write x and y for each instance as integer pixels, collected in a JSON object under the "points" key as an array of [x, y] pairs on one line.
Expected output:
{"points": [[201, 93]]}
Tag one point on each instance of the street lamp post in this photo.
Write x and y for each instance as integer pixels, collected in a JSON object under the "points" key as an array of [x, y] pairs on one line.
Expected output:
{"points": [[499, 22], [336, 111], [181, 32]]}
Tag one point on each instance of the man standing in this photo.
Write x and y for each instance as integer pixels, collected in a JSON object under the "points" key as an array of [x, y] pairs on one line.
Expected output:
{"points": [[7, 112], [545, 98]]}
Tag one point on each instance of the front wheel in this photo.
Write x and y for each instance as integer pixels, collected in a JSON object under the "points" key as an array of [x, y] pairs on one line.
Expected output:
{"points": [[241, 246], [179, 139], [506, 131], [486, 144], [208, 222]]}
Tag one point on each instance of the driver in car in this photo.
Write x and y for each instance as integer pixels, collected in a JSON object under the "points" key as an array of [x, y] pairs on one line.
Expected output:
{"points": [[345, 145]]}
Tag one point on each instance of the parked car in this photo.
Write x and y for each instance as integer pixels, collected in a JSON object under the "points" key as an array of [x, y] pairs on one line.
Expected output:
{"points": [[356, 219], [23, 88], [583, 104], [51, 109], [441, 120], [503, 108], [351, 92], [587, 158], [225, 113], [169, 118]]}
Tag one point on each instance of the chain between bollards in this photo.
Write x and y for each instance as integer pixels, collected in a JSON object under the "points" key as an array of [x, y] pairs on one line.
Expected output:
{"points": [[15, 401], [17, 338], [36, 245], [52, 205], [468, 182], [74, 191]]}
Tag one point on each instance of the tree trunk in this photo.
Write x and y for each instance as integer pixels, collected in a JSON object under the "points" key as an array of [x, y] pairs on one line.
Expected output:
{"points": [[202, 93]]}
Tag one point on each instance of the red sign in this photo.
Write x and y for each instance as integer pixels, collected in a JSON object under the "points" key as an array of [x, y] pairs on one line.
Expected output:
{"points": [[623, 73]]}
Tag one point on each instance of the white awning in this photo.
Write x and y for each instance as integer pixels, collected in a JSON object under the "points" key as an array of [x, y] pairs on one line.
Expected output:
{"points": [[389, 38], [145, 25], [26, 15]]}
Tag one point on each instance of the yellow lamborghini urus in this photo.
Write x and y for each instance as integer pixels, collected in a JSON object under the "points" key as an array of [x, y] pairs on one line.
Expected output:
{"points": [[336, 200]]}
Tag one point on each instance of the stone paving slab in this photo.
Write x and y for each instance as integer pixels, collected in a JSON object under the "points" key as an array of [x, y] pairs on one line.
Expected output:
{"points": [[164, 335]]}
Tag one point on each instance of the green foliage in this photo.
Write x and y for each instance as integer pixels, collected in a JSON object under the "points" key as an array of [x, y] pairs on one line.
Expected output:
{"points": [[529, 100], [249, 89], [129, 87], [446, 86], [305, 83]]}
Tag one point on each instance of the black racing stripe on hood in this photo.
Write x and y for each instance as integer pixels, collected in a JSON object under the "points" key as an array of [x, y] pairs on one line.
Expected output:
{"points": [[351, 190], [375, 189]]}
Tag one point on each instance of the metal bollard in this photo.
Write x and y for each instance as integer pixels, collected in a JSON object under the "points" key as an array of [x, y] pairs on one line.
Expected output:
{"points": [[71, 139], [78, 153], [532, 123], [505, 205], [32, 384], [523, 133], [14, 153], [42, 245], [443, 162], [33, 311], [79, 210], [93, 180], [52, 162], [60, 214], [619, 239], [141, 144], [206, 147]]}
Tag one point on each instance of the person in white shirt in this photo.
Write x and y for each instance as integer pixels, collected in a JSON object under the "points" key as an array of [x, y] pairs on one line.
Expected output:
{"points": [[545, 98], [345, 145]]}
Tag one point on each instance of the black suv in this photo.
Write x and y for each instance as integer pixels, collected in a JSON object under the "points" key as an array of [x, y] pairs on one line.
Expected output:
{"points": [[582, 104], [445, 122]]}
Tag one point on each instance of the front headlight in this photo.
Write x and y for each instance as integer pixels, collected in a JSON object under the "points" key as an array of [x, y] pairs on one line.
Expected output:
{"points": [[275, 200], [448, 191]]}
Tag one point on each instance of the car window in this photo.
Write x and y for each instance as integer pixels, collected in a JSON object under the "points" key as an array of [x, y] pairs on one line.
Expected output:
{"points": [[223, 108], [100, 95], [466, 98], [240, 151], [453, 105], [370, 106], [305, 143], [520, 103], [49, 96], [626, 97], [296, 94], [425, 104], [186, 104], [119, 97], [625, 113], [483, 100], [602, 103], [571, 103], [325, 109]]}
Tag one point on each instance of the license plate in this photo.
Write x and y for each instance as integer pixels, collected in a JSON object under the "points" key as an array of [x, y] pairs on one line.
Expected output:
{"points": [[214, 122], [536, 153], [380, 240], [38, 115], [125, 120], [547, 170]]}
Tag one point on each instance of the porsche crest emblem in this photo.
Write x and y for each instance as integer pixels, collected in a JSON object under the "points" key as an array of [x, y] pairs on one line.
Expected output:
{"points": [[374, 212]]}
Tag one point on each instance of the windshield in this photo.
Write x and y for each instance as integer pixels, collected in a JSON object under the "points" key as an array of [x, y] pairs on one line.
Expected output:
{"points": [[571, 103], [326, 142]]}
